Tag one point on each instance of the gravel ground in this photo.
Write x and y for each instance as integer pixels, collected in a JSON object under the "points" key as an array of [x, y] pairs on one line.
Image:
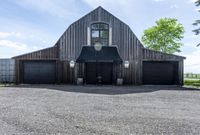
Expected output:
{"points": [[105, 110]]}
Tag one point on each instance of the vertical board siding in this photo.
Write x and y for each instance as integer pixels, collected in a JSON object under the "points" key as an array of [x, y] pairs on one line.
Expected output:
{"points": [[48, 53], [70, 44], [129, 46], [155, 55], [122, 36], [159, 56], [51, 53]]}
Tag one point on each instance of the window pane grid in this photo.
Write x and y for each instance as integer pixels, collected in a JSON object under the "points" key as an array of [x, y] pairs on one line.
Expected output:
{"points": [[100, 33]]}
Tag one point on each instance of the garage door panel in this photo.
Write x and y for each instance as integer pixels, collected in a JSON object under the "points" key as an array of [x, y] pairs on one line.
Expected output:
{"points": [[160, 73], [39, 72]]}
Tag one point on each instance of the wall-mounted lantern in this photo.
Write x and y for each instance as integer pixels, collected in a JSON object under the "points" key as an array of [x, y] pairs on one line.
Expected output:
{"points": [[98, 46], [126, 64], [72, 64]]}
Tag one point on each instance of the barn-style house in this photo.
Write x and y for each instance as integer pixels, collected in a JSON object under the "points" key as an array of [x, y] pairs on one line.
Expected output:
{"points": [[99, 48]]}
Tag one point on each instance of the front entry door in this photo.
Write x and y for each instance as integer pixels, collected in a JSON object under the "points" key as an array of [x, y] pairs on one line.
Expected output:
{"points": [[103, 69], [91, 71], [106, 73]]}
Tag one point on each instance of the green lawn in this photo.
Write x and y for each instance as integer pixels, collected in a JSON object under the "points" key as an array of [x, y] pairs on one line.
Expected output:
{"points": [[191, 79], [192, 82]]}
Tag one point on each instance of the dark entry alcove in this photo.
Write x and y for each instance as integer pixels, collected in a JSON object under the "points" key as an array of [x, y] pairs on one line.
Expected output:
{"points": [[101, 69], [99, 65]]}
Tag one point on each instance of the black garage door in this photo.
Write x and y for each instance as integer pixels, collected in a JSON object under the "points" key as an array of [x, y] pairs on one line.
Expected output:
{"points": [[39, 72], [160, 73]]}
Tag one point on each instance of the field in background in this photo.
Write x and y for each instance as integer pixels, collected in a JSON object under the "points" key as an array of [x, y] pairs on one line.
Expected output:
{"points": [[191, 79]]}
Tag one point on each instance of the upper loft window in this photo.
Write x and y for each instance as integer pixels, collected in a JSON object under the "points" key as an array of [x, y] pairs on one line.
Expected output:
{"points": [[100, 33]]}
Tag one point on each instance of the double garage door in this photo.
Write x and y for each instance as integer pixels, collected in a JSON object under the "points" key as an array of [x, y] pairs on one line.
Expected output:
{"points": [[160, 73], [39, 72]]}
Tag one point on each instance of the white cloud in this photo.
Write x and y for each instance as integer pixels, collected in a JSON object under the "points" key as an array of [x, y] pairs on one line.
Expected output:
{"points": [[192, 1], [174, 6], [158, 0], [10, 48], [192, 62], [123, 9], [13, 45], [58, 8], [189, 44], [26, 38], [194, 36], [9, 34], [198, 9], [192, 40], [108, 3]]}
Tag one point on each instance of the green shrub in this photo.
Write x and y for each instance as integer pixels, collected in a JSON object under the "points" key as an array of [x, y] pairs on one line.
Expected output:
{"points": [[192, 82], [196, 84]]}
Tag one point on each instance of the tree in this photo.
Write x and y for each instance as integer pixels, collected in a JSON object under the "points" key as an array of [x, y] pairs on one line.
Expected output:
{"points": [[165, 36], [197, 22]]}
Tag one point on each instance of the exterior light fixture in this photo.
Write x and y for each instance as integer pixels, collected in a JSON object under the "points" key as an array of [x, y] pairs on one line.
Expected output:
{"points": [[98, 46], [72, 64], [126, 64]]}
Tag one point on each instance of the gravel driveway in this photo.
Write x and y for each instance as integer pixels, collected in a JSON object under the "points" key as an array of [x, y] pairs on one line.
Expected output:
{"points": [[85, 110]]}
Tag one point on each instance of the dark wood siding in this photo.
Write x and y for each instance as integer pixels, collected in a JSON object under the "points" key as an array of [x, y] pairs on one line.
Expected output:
{"points": [[69, 46], [155, 55], [150, 55], [48, 53], [129, 46], [40, 55]]}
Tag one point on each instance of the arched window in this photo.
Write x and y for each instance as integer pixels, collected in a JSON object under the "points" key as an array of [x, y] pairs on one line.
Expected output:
{"points": [[100, 33]]}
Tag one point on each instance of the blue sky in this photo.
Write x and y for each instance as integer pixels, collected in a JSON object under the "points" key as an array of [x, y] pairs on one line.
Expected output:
{"points": [[29, 25]]}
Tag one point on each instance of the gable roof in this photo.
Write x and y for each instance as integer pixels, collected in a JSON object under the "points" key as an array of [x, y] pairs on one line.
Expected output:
{"points": [[100, 10]]}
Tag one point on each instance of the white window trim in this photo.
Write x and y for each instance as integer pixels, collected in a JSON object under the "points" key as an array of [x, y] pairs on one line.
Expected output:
{"points": [[88, 37], [110, 36]]}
